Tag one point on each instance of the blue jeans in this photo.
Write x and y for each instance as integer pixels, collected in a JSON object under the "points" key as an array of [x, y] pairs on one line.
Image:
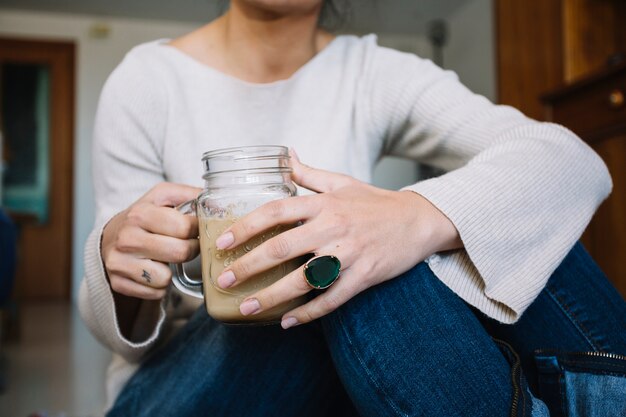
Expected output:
{"points": [[406, 347]]}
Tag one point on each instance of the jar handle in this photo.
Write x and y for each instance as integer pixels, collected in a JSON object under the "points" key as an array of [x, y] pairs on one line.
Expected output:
{"points": [[180, 279]]}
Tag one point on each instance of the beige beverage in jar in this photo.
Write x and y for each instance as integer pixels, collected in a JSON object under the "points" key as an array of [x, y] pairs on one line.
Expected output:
{"points": [[223, 304], [237, 181]]}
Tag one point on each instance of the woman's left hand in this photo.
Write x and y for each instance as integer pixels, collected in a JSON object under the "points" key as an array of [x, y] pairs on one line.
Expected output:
{"points": [[376, 234]]}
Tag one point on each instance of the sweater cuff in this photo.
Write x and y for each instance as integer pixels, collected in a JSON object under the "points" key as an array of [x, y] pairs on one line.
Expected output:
{"points": [[102, 315], [459, 269]]}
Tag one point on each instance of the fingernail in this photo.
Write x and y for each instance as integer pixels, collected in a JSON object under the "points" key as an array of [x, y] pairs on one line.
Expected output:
{"points": [[225, 240], [294, 154], [226, 279], [250, 306], [289, 322]]}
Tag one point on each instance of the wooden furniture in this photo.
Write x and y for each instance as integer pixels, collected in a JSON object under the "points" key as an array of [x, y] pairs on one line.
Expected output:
{"points": [[542, 45], [595, 109], [44, 263], [561, 47]]}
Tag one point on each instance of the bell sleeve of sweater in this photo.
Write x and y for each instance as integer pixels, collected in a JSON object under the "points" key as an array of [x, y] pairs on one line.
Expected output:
{"points": [[126, 155], [519, 192]]}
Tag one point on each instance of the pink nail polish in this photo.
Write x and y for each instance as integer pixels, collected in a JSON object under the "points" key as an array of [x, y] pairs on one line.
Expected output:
{"points": [[226, 279], [250, 306], [289, 322], [225, 240]]}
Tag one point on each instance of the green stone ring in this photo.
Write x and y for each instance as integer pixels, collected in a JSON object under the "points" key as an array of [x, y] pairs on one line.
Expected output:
{"points": [[322, 271]]}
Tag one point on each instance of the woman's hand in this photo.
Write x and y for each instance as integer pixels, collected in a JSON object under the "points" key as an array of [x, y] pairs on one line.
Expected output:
{"points": [[376, 234], [138, 243]]}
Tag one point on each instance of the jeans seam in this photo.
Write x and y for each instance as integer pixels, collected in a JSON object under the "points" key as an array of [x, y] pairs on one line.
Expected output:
{"points": [[562, 395], [593, 362], [370, 376], [136, 398], [572, 318]]}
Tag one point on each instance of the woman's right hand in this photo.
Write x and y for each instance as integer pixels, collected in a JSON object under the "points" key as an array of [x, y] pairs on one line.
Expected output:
{"points": [[139, 242]]}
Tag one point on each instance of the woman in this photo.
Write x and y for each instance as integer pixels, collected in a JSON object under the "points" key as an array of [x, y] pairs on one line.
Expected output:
{"points": [[492, 231]]}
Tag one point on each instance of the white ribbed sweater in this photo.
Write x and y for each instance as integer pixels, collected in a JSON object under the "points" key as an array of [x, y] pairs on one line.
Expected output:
{"points": [[519, 192]]}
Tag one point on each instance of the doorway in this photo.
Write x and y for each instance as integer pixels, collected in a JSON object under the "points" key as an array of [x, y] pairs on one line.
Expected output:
{"points": [[37, 125]]}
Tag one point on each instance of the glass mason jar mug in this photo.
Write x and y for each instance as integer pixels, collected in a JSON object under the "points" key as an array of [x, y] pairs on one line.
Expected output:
{"points": [[237, 181]]}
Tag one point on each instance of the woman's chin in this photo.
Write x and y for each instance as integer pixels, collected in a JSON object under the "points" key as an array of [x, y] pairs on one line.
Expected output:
{"points": [[282, 7]]}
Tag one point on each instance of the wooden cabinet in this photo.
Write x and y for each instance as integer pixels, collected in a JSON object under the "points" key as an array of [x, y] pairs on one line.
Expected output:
{"points": [[595, 109], [558, 50]]}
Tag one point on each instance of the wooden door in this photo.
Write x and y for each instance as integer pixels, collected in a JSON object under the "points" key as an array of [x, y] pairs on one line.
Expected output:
{"points": [[45, 231]]}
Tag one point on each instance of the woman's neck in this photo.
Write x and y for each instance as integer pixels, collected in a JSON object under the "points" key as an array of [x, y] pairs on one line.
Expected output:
{"points": [[255, 45]]}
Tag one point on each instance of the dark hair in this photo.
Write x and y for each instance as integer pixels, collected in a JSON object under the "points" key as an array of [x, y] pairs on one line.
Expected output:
{"points": [[334, 14]]}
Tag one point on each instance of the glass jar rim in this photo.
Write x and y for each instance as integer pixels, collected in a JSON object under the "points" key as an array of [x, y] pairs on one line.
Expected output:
{"points": [[257, 160], [251, 152], [256, 171]]}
